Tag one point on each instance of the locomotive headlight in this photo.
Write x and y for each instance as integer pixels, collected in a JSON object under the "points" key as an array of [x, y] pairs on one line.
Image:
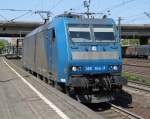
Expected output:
{"points": [[76, 68], [115, 68]]}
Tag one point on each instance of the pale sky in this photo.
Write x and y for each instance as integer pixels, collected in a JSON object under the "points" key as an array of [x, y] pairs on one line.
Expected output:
{"points": [[132, 11]]}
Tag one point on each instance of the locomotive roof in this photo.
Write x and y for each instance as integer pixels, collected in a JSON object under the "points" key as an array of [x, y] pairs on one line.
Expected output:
{"points": [[83, 20], [68, 20], [37, 30]]}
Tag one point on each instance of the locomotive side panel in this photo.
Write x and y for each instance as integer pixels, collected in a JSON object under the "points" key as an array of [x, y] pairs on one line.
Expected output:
{"points": [[63, 51], [29, 52], [41, 58], [53, 54]]}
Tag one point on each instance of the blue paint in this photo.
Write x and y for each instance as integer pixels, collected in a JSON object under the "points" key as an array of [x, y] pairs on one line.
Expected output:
{"points": [[59, 55]]}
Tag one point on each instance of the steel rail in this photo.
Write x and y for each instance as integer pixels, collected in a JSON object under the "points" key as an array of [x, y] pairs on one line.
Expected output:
{"points": [[140, 83], [135, 65], [126, 111], [139, 88]]}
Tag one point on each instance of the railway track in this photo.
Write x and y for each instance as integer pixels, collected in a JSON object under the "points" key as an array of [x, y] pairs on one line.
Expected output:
{"points": [[114, 112], [117, 112], [138, 73], [140, 67], [139, 70], [135, 65], [139, 86], [125, 112], [134, 60], [137, 62]]}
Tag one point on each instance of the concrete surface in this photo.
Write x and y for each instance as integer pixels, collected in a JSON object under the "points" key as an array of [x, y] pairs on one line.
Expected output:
{"points": [[19, 101]]}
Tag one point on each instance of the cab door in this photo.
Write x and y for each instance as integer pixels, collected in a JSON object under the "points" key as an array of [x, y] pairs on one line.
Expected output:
{"points": [[53, 54]]}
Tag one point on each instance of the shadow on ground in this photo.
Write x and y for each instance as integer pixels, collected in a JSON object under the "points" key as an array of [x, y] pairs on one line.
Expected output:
{"points": [[122, 99]]}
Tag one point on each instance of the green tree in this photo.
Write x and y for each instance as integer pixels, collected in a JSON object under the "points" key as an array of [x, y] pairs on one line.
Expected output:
{"points": [[2, 44], [130, 42]]}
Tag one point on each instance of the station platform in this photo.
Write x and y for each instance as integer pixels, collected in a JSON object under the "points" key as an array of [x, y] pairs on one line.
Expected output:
{"points": [[23, 96]]}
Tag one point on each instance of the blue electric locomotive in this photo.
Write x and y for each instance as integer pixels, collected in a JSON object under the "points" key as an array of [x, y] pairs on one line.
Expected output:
{"points": [[80, 55]]}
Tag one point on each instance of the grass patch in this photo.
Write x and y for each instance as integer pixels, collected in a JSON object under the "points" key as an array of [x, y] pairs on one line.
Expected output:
{"points": [[135, 77]]}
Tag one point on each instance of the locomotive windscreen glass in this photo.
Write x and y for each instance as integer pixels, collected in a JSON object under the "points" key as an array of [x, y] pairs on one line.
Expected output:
{"points": [[80, 34], [104, 34]]}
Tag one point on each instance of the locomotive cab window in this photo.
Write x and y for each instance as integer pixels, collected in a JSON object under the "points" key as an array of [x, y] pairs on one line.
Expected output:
{"points": [[80, 34], [104, 34]]}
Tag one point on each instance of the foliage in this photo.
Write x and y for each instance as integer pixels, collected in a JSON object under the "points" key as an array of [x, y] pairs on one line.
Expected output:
{"points": [[3, 43], [135, 77], [149, 41], [126, 42]]}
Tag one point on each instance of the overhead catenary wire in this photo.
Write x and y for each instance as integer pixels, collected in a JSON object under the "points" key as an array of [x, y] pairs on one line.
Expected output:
{"points": [[59, 2], [118, 5], [20, 16], [133, 16], [77, 8], [147, 14], [135, 19], [27, 12], [131, 19], [15, 10], [3, 17]]}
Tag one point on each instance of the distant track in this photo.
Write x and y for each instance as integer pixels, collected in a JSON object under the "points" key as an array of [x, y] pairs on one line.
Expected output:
{"points": [[136, 62], [135, 65], [139, 86], [139, 70]]}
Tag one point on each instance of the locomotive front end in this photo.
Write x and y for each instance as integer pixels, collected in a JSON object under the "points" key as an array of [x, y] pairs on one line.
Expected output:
{"points": [[95, 63]]}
